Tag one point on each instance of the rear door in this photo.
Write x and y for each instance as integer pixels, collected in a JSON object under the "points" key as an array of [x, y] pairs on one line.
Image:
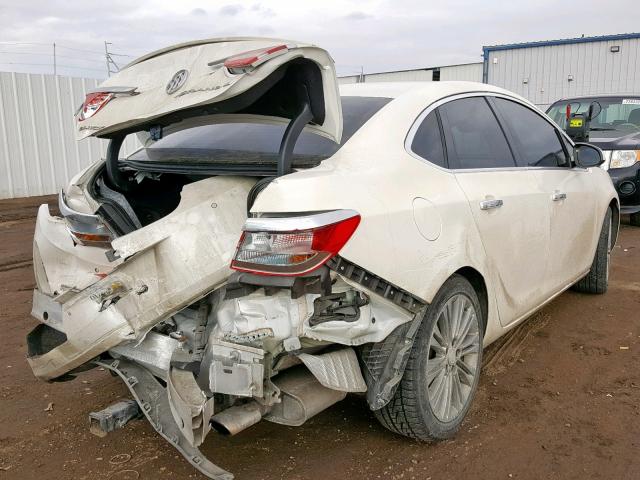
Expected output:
{"points": [[509, 209], [544, 151]]}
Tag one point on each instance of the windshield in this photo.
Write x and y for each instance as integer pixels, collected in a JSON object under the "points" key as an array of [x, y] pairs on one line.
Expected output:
{"points": [[253, 144], [610, 113]]}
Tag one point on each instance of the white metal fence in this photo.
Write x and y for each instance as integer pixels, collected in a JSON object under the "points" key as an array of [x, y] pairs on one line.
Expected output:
{"points": [[39, 153]]}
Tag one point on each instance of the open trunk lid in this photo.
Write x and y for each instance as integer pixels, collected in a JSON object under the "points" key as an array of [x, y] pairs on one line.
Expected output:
{"points": [[264, 78]]}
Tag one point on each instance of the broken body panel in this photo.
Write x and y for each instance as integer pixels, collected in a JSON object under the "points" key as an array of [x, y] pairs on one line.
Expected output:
{"points": [[163, 305], [159, 305]]}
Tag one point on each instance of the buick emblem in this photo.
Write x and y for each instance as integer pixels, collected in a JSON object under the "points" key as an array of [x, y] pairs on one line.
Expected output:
{"points": [[177, 81]]}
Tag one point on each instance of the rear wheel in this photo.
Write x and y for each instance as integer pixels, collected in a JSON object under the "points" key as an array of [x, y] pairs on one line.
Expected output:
{"points": [[597, 280], [635, 219], [443, 370]]}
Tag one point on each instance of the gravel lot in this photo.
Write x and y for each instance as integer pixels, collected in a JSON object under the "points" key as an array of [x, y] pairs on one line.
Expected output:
{"points": [[559, 398]]}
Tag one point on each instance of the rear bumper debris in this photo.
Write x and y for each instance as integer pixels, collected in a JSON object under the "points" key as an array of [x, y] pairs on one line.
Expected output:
{"points": [[199, 348]]}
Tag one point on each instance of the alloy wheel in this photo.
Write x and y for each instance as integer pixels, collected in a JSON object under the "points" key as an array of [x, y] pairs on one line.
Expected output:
{"points": [[452, 365]]}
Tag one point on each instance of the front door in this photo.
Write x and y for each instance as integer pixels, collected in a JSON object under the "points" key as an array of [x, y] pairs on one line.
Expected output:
{"points": [[546, 153]]}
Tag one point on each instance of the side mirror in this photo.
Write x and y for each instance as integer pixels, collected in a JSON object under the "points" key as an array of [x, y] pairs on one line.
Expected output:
{"points": [[587, 155]]}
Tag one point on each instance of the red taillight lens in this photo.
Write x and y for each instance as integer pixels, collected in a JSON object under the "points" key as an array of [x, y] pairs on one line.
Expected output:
{"points": [[249, 60], [93, 102], [274, 251]]}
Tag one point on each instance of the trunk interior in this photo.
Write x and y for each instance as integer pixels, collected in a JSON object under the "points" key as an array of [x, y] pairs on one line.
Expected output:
{"points": [[153, 198]]}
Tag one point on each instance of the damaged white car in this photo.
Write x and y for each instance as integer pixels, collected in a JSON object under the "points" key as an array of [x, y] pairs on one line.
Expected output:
{"points": [[277, 243]]}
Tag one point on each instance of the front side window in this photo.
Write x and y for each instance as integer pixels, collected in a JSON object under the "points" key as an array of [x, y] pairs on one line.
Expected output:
{"points": [[536, 140], [474, 138], [427, 141]]}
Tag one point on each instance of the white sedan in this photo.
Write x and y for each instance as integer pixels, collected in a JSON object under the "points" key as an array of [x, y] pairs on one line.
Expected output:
{"points": [[277, 242]]}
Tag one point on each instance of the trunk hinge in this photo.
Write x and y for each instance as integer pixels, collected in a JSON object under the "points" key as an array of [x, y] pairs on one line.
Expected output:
{"points": [[117, 179], [291, 134]]}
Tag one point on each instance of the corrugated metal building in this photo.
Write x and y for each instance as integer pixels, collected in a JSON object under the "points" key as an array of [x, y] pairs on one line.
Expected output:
{"points": [[38, 152], [468, 71], [543, 71], [546, 71]]}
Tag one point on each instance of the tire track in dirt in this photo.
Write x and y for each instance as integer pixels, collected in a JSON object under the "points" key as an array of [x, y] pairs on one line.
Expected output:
{"points": [[506, 351], [15, 264]]}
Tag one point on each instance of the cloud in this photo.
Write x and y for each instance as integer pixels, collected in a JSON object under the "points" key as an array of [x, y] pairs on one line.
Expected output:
{"points": [[262, 10], [358, 16], [379, 35], [231, 10]]}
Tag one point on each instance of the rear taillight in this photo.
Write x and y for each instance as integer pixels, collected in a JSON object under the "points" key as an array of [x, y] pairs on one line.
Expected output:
{"points": [[93, 102], [247, 61], [85, 229], [293, 245]]}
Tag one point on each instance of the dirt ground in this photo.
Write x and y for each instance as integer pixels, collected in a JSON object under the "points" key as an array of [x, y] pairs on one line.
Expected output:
{"points": [[558, 399]]}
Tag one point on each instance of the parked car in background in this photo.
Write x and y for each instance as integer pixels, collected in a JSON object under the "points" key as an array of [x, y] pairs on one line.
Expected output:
{"points": [[277, 243], [615, 128]]}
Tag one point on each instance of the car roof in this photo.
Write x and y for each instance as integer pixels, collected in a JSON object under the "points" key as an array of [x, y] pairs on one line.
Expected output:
{"points": [[418, 89], [604, 95]]}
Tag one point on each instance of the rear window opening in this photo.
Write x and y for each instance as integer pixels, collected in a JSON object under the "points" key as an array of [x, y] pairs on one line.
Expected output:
{"points": [[246, 148]]}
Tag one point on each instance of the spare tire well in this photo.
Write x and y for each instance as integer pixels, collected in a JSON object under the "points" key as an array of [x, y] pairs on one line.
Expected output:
{"points": [[476, 280]]}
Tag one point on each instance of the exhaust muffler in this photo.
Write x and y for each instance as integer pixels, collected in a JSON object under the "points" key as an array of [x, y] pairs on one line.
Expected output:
{"points": [[301, 397]]}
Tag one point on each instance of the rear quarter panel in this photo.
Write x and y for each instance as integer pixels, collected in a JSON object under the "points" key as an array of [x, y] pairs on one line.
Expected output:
{"points": [[374, 175]]}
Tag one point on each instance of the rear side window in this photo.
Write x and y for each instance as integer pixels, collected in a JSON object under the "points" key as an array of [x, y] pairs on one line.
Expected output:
{"points": [[427, 141], [473, 136], [536, 140]]}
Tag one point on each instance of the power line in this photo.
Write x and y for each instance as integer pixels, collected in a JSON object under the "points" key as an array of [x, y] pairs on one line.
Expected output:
{"points": [[112, 66], [49, 54], [48, 65], [96, 52], [23, 43]]}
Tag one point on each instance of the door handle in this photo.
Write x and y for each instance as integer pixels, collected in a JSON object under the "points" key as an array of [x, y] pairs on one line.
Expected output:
{"points": [[557, 196], [489, 204]]}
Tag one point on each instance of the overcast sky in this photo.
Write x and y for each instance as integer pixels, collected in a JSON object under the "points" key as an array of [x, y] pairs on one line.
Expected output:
{"points": [[379, 35]]}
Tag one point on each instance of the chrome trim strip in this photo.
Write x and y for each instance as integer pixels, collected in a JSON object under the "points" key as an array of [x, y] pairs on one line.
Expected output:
{"points": [[118, 90], [292, 224]]}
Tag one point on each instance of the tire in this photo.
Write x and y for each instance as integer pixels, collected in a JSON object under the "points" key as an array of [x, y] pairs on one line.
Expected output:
{"points": [[634, 219], [597, 280], [416, 410]]}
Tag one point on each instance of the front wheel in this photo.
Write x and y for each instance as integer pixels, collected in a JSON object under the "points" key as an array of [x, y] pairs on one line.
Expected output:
{"points": [[443, 370], [597, 280]]}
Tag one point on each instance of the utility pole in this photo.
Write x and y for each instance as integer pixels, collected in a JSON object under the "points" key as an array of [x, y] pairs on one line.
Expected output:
{"points": [[106, 57], [109, 60], [55, 70]]}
